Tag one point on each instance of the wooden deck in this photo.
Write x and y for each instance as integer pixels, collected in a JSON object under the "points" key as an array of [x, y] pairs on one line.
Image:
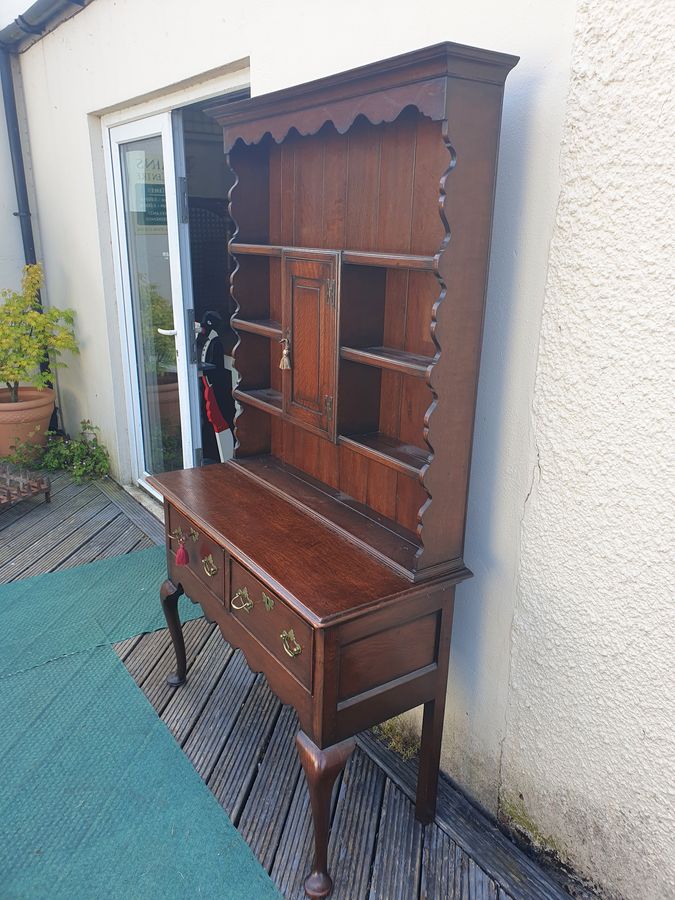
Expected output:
{"points": [[240, 739]]}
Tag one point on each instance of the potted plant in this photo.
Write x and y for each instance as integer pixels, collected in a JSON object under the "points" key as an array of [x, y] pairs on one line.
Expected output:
{"points": [[31, 339], [159, 355]]}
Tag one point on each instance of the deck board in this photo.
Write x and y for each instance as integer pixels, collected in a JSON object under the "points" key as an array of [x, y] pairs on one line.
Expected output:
{"points": [[235, 770], [18, 548], [472, 831], [21, 509], [210, 734], [240, 739], [400, 838], [355, 826], [293, 855], [263, 818], [186, 704], [81, 529], [115, 539]]}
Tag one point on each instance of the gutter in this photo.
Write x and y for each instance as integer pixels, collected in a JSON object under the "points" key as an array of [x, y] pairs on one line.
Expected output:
{"points": [[37, 21], [29, 27], [16, 153]]}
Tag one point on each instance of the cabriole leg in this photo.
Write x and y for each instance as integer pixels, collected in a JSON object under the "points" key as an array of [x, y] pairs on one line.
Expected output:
{"points": [[321, 768], [168, 595]]}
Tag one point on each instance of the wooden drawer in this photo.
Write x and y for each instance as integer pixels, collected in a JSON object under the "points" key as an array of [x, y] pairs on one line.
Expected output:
{"points": [[286, 636], [206, 559]]}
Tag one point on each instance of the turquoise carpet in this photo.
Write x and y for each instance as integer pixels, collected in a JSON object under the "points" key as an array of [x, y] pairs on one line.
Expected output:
{"points": [[96, 798], [98, 604]]}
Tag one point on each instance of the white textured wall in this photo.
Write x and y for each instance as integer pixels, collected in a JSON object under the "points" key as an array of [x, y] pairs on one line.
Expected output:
{"points": [[589, 756]]}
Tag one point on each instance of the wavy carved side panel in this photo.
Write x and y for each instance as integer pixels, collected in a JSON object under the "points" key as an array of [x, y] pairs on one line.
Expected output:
{"points": [[465, 203]]}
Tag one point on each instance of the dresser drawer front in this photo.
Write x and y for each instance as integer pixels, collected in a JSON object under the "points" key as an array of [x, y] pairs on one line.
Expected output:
{"points": [[206, 560], [284, 635]]}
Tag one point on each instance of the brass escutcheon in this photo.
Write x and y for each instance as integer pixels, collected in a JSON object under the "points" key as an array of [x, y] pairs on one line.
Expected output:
{"points": [[209, 566], [194, 535], [177, 534], [291, 646], [246, 602], [268, 601]]}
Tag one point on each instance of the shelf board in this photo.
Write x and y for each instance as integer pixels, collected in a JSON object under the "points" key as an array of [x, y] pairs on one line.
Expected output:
{"points": [[349, 257], [265, 327], [266, 399], [389, 260], [404, 458], [255, 249], [389, 358]]}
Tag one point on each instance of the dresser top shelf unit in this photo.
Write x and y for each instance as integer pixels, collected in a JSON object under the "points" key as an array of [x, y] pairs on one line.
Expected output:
{"points": [[363, 208]]}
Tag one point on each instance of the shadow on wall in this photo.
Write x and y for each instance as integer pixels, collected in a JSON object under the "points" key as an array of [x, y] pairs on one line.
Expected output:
{"points": [[479, 664]]}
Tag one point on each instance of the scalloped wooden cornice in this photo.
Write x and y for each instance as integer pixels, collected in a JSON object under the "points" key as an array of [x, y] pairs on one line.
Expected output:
{"points": [[379, 91]]}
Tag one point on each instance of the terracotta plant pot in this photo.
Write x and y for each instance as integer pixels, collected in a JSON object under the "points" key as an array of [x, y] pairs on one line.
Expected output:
{"points": [[19, 420], [163, 397]]}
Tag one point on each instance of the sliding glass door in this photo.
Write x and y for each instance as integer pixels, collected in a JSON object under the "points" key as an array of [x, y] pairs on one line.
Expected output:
{"points": [[156, 294]]}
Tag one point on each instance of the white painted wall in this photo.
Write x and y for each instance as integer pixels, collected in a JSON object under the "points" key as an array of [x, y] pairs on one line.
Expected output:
{"points": [[589, 754], [11, 249]]}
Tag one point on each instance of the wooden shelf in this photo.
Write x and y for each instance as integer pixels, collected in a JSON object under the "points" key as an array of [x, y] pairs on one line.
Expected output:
{"points": [[404, 458], [389, 358], [349, 257], [255, 249], [378, 535], [265, 327], [266, 399], [389, 260]]}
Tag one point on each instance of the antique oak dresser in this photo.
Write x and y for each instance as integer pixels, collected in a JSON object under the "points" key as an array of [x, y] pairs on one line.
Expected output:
{"points": [[329, 548]]}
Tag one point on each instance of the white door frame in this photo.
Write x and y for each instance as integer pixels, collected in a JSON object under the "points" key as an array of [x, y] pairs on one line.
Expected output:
{"points": [[160, 125]]}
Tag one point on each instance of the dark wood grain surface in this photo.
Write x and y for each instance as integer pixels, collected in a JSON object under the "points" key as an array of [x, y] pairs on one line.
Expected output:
{"points": [[281, 542]]}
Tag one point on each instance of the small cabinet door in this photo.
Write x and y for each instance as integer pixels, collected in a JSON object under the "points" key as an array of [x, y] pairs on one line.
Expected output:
{"points": [[309, 323]]}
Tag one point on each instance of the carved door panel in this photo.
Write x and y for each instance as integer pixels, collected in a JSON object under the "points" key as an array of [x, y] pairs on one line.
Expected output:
{"points": [[309, 322]]}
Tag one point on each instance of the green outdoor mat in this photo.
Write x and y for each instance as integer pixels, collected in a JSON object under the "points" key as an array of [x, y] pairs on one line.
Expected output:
{"points": [[52, 615], [98, 801]]}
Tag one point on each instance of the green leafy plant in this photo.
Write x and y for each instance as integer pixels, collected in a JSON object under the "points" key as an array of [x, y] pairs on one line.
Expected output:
{"points": [[30, 336], [26, 453], [155, 312], [83, 457]]}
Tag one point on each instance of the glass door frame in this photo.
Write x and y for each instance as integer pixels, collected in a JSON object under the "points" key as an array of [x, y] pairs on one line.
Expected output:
{"points": [[167, 126]]}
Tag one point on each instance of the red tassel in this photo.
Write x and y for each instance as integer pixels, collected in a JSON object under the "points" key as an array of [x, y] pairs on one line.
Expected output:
{"points": [[182, 558]]}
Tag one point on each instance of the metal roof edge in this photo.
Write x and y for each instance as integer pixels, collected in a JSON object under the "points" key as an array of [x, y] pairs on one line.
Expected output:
{"points": [[40, 19]]}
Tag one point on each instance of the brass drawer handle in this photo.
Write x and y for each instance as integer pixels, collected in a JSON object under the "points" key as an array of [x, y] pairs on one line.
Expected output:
{"points": [[268, 602], [210, 567], [246, 602], [291, 646], [179, 535]]}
